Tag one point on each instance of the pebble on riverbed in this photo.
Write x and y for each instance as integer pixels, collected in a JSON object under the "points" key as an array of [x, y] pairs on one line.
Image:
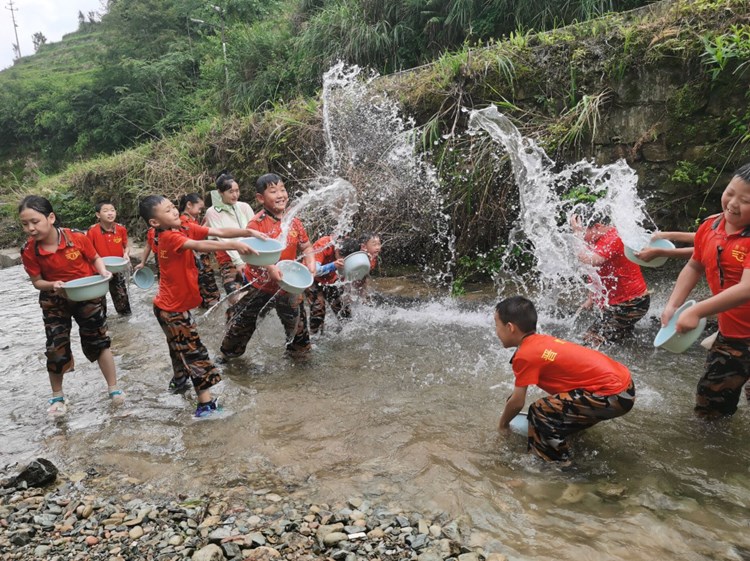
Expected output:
{"points": [[66, 523]]}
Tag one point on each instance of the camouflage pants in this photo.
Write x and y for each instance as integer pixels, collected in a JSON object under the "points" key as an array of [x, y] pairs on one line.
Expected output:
{"points": [[617, 322], [317, 296], [553, 418], [243, 320], [206, 280], [231, 277], [726, 371], [189, 355], [58, 313], [118, 290]]}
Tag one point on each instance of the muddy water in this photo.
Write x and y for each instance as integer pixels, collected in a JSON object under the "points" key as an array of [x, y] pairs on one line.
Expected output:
{"points": [[399, 406]]}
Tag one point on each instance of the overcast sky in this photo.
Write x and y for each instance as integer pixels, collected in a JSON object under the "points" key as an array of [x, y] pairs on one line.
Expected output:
{"points": [[54, 18]]}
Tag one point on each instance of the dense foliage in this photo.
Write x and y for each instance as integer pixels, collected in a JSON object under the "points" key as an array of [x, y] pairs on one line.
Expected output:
{"points": [[151, 67]]}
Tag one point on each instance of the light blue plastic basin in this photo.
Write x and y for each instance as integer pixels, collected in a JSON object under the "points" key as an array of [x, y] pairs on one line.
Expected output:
{"points": [[520, 424], [356, 266], [669, 339], [144, 278], [269, 251], [86, 288], [656, 262], [115, 264], [295, 276]]}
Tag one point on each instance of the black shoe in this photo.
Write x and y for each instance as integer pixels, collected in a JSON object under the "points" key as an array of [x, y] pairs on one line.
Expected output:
{"points": [[179, 385]]}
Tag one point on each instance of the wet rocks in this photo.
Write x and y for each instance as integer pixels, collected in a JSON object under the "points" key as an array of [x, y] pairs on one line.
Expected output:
{"points": [[237, 524]]}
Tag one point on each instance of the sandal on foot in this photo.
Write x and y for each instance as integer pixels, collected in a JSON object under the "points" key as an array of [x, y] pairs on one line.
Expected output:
{"points": [[117, 396], [57, 406]]}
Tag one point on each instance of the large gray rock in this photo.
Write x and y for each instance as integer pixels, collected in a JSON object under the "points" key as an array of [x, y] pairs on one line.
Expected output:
{"points": [[38, 473]]}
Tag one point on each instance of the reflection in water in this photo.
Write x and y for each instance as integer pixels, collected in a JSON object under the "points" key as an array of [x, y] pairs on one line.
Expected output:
{"points": [[400, 406]]}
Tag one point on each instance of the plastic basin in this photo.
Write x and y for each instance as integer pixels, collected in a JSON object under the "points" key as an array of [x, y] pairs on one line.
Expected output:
{"points": [[669, 339], [269, 251], [144, 278], [356, 266], [86, 288], [295, 276], [520, 424], [115, 264], [657, 261]]}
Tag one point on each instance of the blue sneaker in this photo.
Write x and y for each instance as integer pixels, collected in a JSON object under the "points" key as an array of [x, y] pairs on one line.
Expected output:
{"points": [[207, 409]]}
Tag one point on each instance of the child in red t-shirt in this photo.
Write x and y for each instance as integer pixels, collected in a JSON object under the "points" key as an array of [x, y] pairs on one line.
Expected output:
{"points": [[327, 286], [585, 386], [191, 206], [620, 290], [722, 243], [51, 257], [111, 240], [178, 293], [264, 293]]}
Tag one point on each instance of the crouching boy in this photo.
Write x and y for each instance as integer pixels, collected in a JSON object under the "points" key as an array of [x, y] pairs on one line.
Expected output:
{"points": [[585, 386]]}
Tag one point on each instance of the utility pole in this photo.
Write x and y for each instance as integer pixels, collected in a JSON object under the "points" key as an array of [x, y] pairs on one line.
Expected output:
{"points": [[222, 14], [13, 10]]}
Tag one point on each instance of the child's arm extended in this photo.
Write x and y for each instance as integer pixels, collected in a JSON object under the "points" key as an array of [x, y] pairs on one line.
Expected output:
{"points": [[727, 299], [649, 253], [513, 407], [308, 257], [41, 284], [686, 281], [210, 246], [144, 258], [682, 237], [236, 233]]}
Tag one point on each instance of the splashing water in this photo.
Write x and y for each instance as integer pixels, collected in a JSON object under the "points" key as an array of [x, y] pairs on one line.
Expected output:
{"points": [[373, 147], [545, 213]]}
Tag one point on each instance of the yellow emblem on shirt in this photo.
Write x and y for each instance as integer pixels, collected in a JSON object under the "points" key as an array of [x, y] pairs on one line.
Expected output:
{"points": [[549, 355], [73, 254], [117, 240], [739, 254]]}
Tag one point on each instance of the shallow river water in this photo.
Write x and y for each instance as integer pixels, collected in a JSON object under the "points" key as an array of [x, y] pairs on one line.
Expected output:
{"points": [[400, 406]]}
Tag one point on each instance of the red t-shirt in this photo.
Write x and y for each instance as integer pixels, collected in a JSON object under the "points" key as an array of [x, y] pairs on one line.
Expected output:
{"points": [[178, 280], [559, 366], [109, 243], [264, 222], [72, 260], [621, 279], [325, 253], [712, 235]]}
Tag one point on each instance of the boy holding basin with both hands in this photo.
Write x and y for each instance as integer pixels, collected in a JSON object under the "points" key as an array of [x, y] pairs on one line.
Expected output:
{"points": [[178, 293], [722, 243]]}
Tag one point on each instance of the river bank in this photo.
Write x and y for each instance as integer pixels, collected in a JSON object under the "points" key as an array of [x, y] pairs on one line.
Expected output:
{"points": [[80, 517]]}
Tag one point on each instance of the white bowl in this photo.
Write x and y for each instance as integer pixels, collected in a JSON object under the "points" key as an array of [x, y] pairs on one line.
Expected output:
{"points": [[657, 261], [115, 264], [356, 266], [669, 339], [295, 276], [86, 288], [269, 251]]}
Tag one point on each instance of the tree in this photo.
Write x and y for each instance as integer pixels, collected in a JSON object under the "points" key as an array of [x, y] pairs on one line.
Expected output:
{"points": [[81, 20], [38, 39]]}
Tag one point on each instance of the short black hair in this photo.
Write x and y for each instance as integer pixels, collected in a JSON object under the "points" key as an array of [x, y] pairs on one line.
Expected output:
{"points": [[224, 181], [367, 236], [519, 311], [264, 181], [743, 172], [147, 205], [100, 204]]}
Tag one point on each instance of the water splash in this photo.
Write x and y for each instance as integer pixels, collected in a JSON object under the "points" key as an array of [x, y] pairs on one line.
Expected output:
{"points": [[544, 212], [371, 145]]}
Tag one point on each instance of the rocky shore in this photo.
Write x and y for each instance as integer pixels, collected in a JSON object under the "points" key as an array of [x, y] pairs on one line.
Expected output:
{"points": [[68, 520]]}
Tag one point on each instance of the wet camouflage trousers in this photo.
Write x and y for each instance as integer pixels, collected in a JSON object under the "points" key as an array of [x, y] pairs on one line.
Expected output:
{"points": [[206, 280], [242, 320], [189, 355], [727, 370], [317, 296], [555, 417], [58, 313], [617, 322], [118, 290], [231, 277]]}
